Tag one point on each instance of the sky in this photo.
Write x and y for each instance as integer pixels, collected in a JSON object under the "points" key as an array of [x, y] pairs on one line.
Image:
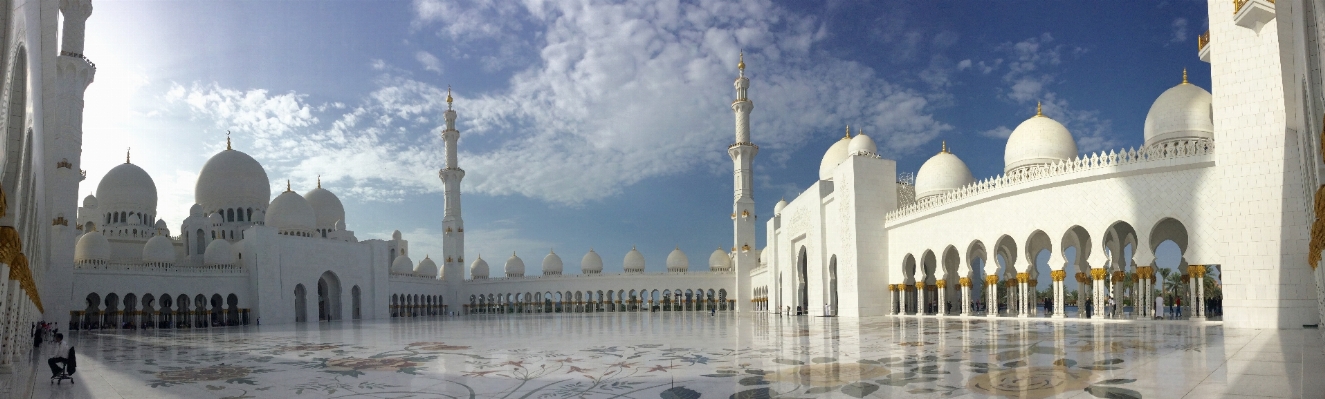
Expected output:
{"points": [[603, 124]]}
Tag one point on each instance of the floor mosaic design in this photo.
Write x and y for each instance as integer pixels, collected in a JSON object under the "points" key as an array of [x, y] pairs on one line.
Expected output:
{"points": [[658, 355]]}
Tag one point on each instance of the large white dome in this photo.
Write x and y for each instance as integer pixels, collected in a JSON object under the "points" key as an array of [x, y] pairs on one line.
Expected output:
{"points": [[677, 262], [634, 262], [218, 253], [402, 265], [159, 249], [127, 187], [942, 173], [232, 179], [290, 213], [862, 145], [834, 156], [426, 268], [552, 264], [92, 247], [1181, 112], [720, 261], [514, 266], [1038, 140], [591, 263], [326, 206], [478, 269]]}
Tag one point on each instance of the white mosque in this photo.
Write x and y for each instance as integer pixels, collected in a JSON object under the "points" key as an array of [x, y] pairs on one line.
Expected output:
{"points": [[1232, 176]]}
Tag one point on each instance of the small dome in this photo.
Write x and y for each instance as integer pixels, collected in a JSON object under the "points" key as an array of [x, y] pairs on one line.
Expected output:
{"points": [[159, 249], [218, 253], [862, 145], [1181, 112], [290, 213], [478, 269], [402, 265], [215, 219], [592, 263], [942, 173], [127, 187], [1038, 140], [340, 225], [552, 264], [162, 228], [395, 235], [677, 262], [777, 209], [834, 156], [92, 247], [90, 201], [195, 210], [634, 262], [232, 179], [426, 268], [326, 206], [720, 261], [514, 266]]}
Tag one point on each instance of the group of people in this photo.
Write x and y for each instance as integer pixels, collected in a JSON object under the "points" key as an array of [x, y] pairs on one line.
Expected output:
{"points": [[58, 353]]}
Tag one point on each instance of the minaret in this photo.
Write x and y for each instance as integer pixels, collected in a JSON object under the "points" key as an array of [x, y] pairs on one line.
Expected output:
{"points": [[743, 208], [62, 154], [453, 226]]}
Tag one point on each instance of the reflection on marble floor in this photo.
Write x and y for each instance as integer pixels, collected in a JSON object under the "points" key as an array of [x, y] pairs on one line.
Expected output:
{"points": [[662, 355]]}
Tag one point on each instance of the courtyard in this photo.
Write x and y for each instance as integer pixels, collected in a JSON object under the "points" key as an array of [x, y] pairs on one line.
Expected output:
{"points": [[690, 355]]}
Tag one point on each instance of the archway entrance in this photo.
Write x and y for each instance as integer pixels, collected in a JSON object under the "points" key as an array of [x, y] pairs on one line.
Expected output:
{"points": [[802, 286], [300, 304], [328, 297]]}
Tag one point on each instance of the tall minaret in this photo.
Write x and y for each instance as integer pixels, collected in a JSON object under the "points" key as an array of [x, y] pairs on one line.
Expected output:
{"points": [[743, 208], [453, 227]]}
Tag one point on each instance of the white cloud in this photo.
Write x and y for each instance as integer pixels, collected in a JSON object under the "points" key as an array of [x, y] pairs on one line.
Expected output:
{"points": [[1001, 132], [1179, 31], [429, 61], [964, 65]]}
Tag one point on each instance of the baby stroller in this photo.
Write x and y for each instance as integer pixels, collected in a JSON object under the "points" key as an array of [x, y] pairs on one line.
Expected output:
{"points": [[58, 373]]}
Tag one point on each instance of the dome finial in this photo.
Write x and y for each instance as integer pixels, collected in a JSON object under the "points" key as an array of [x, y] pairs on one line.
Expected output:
{"points": [[859, 131], [848, 133], [287, 185], [126, 154], [448, 97], [1039, 109], [1184, 76], [227, 140], [319, 181], [741, 65], [944, 150]]}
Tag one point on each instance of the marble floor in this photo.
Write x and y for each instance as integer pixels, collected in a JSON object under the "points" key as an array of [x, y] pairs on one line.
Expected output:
{"points": [[694, 355]]}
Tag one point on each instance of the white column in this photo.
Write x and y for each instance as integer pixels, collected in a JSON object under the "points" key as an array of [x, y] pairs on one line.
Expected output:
{"points": [[991, 296], [942, 300], [966, 295], [1021, 296], [1097, 282]]}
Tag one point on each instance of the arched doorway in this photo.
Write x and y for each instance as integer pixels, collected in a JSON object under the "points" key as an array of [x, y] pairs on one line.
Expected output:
{"points": [[300, 304], [832, 287], [328, 297], [354, 309], [802, 284]]}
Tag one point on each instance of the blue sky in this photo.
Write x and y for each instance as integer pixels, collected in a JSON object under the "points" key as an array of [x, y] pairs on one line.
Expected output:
{"points": [[591, 124]]}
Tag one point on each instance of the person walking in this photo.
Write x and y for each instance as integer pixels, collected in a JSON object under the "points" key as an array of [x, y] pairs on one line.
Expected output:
{"points": [[1159, 307]]}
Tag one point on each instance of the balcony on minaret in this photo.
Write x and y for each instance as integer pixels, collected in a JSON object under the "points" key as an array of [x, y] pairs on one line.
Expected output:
{"points": [[1253, 14], [1203, 46]]}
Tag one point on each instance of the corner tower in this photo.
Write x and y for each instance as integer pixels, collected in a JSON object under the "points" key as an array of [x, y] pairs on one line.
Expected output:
{"points": [[453, 226], [743, 207]]}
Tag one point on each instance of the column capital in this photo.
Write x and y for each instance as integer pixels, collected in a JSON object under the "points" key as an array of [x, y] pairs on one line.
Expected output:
{"points": [[78, 10], [1058, 275]]}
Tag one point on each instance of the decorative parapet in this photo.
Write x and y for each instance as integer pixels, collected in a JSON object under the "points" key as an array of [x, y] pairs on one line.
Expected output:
{"points": [[412, 276], [598, 275], [1203, 46], [1170, 150], [88, 266]]}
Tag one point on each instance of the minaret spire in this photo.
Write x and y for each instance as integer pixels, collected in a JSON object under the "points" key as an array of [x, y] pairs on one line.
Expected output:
{"points": [[453, 241], [743, 208]]}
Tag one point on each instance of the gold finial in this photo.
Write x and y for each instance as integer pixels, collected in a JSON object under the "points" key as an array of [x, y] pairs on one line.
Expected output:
{"points": [[319, 181], [1184, 76], [126, 154], [944, 150], [848, 133], [741, 65], [448, 97], [1039, 110], [287, 185], [227, 140], [859, 132]]}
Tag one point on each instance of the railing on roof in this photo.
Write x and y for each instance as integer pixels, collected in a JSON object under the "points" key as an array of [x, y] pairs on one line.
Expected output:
{"points": [[1163, 151], [157, 268], [1202, 40]]}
